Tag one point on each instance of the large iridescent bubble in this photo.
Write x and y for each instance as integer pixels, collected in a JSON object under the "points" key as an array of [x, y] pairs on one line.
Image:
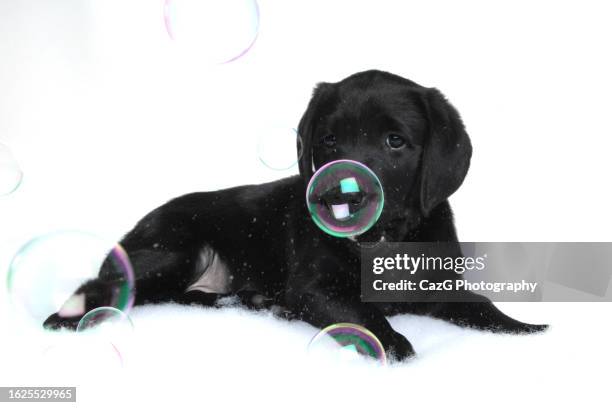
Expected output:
{"points": [[212, 31], [47, 271], [344, 198]]}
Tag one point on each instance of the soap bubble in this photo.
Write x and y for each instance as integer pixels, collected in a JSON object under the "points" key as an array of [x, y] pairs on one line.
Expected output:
{"points": [[347, 341], [344, 198], [107, 326], [214, 31], [10, 172], [279, 147], [45, 273], [105, 318]]}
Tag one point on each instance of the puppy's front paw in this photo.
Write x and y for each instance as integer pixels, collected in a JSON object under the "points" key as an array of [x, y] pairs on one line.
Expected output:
{"points": [[69, 315], [526, 328], [56, 322], [399, 349]]}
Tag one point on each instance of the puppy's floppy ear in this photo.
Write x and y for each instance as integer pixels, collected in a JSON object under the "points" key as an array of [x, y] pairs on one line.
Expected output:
{"points": [[447, 153], [306, 131]]}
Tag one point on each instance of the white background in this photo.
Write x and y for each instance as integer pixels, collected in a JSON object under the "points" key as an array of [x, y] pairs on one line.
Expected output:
{"points": [[108, 120]]}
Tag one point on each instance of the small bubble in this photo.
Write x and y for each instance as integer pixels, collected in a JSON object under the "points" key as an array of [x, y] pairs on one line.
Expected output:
{"points": [[277, 146], [10, 172], [105, 317]]}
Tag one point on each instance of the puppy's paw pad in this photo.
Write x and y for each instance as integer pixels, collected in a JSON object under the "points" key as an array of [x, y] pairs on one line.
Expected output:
{"points": [[74, 306]]}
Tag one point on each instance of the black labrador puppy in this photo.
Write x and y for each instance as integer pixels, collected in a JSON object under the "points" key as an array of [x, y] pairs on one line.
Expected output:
{"points": [[258, 242]]}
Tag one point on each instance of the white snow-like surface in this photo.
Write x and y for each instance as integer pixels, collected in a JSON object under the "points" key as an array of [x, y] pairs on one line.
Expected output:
{"points": [[191, 356]]}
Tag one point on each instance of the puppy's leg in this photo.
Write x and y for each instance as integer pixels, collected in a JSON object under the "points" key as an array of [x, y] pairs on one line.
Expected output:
{"points": [[483, 315], [322, 309], [197, 297], [159, 276], [476, 312]]}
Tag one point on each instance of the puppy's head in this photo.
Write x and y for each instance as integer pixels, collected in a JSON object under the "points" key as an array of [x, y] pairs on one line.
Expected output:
{"points": [[409, 135]]}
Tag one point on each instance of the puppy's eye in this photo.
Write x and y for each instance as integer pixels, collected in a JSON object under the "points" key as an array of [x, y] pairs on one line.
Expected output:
{"points": [[395, 141], [329, 140]]}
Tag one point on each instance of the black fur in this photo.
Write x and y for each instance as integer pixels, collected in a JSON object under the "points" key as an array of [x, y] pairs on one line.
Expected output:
{"points": [[279, 258]]}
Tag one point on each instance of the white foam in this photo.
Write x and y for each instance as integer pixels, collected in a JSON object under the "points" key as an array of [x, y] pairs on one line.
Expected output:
{"points": [[206, 356]]}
